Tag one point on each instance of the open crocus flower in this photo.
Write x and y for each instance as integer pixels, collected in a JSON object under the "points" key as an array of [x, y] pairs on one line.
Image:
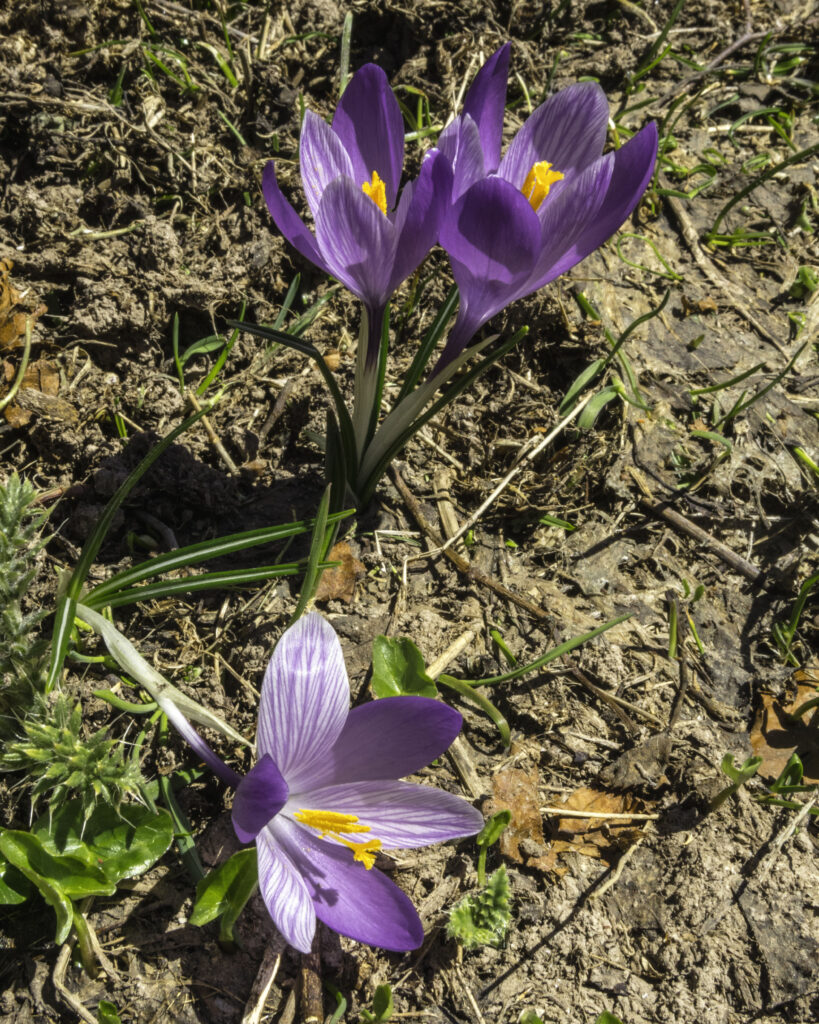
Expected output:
{"points": [[519, 221], [323, 797], [351, 173]]}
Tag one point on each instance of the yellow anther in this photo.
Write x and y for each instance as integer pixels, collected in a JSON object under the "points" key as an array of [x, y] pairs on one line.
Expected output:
{"points": [[330, 821], [377, 191], [335, 826], [538, 182]]}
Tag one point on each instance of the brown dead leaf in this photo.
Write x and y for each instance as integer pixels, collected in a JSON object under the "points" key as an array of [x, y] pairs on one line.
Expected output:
{"points": [[594, 837], [39, 393], [706, 305], [13, 310], [339, 583], [516, 790], [775, 735]]}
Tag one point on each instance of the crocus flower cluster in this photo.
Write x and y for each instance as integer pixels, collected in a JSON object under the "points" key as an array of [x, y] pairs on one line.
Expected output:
{"points": [[510, 223], [324, 796]]}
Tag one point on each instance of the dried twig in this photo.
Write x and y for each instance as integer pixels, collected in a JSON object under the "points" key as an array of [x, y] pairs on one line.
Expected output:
{"points": [[265, 976], [663, 511]]}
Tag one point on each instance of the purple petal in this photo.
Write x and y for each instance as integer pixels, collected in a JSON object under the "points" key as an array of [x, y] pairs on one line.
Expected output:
{"points": [[387, 739], [401, 814], [288, 221], [460, 143], [566, 218], [364, 905], [418, 217], [369, 123], [259, 797], [322, 157], [493, 237], [285, 894], [305, 698], [633, 167], [485, 102], [568, 130], [357, 241]]}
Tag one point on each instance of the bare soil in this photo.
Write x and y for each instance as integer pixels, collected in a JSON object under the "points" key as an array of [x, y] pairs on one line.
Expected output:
{"points": [[127, 199]]}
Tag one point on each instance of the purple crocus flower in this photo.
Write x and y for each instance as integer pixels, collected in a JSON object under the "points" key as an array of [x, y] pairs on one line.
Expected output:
{"points": [[366, 236], [517, 222], [323, 797]]}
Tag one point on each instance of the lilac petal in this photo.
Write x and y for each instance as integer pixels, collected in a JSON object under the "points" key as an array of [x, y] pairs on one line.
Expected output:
{"points": [[369, 124], [400, 814], [568, 130], [387, 739], [357, 241], [285, 894], [493, 237], [485, 102], [259, 797], [322, 157], [418, 219], [364, 905], [460, 143], [305, 698], [288, 221], [633, 167]]}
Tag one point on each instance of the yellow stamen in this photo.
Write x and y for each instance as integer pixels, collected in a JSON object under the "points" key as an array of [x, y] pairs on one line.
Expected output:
{"points": [[538, 182], [330, 825], [377, 191]]}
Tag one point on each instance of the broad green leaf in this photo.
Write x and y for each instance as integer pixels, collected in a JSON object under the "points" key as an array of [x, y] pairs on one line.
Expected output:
{"points": [[226, 889], [72, 874], [48, 889], [14, 886], [123, 843], [399, 669], [607, 1018]]}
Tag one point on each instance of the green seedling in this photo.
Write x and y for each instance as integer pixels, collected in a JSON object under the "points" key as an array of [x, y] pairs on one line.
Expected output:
{"points": [[806, 283], [789, 783], [382, 1006], [488, 836], [785, 633], [483, 919], [738, 775]]}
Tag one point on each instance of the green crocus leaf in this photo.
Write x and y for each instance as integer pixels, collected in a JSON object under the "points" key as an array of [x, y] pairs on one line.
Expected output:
{"points": [[123, 843], [399, 669], [226, 890]]}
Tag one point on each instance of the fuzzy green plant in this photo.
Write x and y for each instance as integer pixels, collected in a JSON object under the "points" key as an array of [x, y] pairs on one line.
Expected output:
{"points": [[482, 920], [61, 762], [22, 649]]}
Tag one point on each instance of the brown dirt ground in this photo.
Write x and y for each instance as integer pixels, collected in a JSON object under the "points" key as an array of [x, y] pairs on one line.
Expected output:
{"points": [[118, 217]]}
